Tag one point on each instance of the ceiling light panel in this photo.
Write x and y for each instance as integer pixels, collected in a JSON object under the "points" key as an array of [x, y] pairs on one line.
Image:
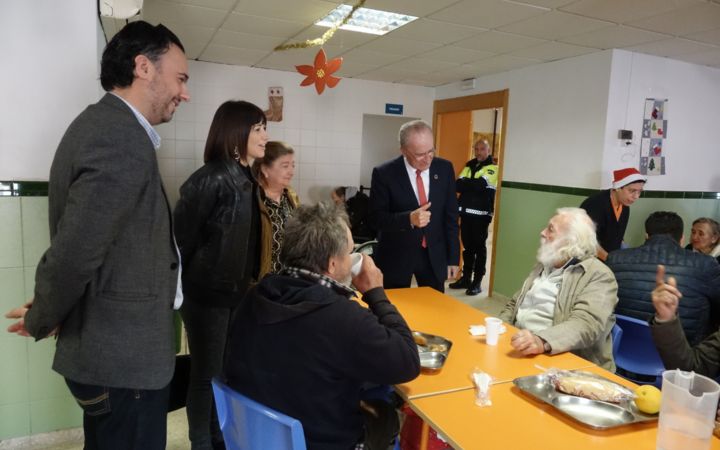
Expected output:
{"points": [[365, 20]]}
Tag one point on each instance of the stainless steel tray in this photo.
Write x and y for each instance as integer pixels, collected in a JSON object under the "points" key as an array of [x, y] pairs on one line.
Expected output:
{"points": [[433, 351], [592, 413]]}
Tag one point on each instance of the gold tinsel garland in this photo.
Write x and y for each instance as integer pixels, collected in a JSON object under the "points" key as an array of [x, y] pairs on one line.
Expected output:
{"points": [[324, 38]]}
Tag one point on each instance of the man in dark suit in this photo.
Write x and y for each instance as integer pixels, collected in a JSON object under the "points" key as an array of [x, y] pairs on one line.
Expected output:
{"points": [[414, 209], [109, 281]]}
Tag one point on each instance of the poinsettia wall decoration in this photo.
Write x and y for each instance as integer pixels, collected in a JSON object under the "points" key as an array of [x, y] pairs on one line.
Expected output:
{"points": [[321, 72]]}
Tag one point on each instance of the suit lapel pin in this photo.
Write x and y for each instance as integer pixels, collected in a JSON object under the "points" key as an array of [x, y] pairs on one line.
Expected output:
{"points": [[435, 177]]}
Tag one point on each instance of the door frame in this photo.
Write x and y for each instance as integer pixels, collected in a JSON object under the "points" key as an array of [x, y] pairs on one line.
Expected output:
{"points": [[487, 100]]}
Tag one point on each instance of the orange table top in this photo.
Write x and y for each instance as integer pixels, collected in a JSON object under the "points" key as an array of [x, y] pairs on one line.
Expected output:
{"points": [[432, 312], [516, 420]]}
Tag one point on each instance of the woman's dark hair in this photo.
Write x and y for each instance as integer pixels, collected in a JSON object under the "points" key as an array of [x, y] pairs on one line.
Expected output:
{"points": [[136, 38], [273, 151], [230, 130]]}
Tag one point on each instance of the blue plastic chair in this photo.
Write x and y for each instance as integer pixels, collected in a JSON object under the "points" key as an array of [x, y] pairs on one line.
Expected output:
{"points": [[616, 336], [635, 355], [248, 425]]}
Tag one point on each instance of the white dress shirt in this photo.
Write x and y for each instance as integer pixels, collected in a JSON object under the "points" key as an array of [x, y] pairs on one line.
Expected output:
{"points": [[412, 174]]}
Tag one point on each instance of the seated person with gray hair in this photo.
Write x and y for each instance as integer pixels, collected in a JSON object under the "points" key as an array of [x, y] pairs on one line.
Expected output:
{"points": [[567, 302], [301, 346]]}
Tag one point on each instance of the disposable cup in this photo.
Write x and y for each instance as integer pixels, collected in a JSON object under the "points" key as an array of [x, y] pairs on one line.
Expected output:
{"points": [[356, 266], [492, 330]]}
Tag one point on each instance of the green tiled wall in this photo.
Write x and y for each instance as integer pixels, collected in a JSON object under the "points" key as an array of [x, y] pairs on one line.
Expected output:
{"points": [[525, 209], [34, 399]]}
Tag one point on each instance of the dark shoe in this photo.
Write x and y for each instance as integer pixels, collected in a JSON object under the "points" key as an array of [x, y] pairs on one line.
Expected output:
{"points": [[462, 283], [474, 288]]}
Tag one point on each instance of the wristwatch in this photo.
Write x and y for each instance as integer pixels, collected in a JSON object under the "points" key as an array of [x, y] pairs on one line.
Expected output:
{"points": [[547, 347]]}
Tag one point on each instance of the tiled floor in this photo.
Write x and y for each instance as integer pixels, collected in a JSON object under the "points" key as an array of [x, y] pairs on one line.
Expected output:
{"points": [[177, 420]]}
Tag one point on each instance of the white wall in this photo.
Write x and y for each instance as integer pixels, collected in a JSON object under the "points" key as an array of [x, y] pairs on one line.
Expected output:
{"points": [[325, 130], [483, 120], [379, 142], [49, 75], [692, 145], [556, 119]]}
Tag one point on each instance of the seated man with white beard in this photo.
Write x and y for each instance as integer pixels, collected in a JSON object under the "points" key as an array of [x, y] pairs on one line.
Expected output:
{"points": [[567, 302]]}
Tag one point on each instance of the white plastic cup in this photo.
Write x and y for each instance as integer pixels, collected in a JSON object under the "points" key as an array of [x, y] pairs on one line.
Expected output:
{"points": [[492, 330], [356, 266]]}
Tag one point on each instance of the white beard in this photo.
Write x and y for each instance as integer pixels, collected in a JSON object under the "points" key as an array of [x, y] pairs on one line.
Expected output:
{"points": [[550, 253]]}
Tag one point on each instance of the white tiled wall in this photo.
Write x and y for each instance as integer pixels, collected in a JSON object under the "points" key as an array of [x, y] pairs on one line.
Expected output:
{"points": [[325, 130]]}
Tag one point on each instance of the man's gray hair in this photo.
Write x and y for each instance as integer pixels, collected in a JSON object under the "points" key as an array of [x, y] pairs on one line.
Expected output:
{"points": [[483, 142], [408, 128], [580, 238], [314, 234]]}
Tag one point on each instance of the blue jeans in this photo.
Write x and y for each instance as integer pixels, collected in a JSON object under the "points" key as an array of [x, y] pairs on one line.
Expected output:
{"points": [[122, 419]]}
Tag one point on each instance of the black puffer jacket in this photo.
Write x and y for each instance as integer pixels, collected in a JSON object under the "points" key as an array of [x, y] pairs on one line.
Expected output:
{"points": [[697, 275], [216, 228]]}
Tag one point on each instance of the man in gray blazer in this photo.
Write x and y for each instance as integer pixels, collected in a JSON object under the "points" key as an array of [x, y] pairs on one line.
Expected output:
{"points": [[109, 281]]}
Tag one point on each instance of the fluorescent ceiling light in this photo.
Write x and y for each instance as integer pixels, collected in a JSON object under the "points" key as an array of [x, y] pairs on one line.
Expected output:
{"points": [[365, 20]]}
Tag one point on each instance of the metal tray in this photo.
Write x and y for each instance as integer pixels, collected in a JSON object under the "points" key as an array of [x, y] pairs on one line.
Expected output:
{"points": [[433, 350], [592, 413]]}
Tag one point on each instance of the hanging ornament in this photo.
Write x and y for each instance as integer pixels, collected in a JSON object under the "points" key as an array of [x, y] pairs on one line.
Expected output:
{"points": [[321, 72], [327, 35]]}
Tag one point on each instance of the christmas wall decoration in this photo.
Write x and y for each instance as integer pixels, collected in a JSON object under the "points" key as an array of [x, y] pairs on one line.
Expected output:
{"points": [[654, 132]]}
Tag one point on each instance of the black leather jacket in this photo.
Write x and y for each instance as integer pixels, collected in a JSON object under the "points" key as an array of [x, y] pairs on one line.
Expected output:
{"points": [[214, 222], [697, 276]]}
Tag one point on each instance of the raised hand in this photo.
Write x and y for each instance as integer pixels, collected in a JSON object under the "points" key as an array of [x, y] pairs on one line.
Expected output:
{"points": [[665, 296]]}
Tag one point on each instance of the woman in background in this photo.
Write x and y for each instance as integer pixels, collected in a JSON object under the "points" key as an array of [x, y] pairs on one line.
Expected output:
{"points": [[705, 236], [217, 228], [274, 172]]}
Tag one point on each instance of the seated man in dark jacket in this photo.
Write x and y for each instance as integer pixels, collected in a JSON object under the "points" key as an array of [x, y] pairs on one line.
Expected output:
{"points": [[697, 275], [667, 333], [300, 345]]}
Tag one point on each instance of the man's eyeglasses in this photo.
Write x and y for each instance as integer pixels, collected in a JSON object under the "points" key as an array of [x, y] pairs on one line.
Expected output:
{"points": [[419, 156]]}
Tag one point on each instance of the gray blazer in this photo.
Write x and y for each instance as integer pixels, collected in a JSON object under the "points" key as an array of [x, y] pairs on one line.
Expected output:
{"points": [[110, 275]]}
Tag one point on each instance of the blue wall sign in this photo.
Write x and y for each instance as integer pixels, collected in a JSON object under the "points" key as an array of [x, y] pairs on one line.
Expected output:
{"points": [[391, 108]]}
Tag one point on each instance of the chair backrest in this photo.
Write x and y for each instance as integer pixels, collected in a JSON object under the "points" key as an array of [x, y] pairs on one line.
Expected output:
{"points": [[636, 353], [366, 248], [616, 336], [248, 425]]}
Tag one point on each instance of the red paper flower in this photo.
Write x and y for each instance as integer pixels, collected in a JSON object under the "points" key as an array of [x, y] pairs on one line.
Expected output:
{"points": [[321, 72]]}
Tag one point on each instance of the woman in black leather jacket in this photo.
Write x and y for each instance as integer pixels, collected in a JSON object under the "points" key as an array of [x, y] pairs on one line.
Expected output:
{"points": [[217, 228]]}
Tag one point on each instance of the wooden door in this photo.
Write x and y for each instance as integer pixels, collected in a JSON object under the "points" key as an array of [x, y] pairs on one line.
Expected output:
{"points": [[448, 107], [453, 133]]}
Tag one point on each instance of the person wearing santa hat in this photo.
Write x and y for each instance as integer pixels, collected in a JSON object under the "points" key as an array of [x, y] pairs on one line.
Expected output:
{"points": [[610, 209]]}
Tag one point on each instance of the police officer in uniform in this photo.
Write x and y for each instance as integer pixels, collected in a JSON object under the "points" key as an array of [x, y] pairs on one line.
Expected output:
{"points": [[476, 186]]}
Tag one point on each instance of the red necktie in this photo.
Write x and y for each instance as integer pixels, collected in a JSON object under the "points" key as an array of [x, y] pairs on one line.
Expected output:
{"points": [[422, 197]]}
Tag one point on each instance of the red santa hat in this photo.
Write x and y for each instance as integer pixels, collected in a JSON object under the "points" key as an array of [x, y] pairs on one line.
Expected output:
{"points": [[623, 177]]}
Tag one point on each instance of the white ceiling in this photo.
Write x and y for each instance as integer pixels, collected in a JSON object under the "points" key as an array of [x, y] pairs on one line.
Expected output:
{"points": [[450, 41]]}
